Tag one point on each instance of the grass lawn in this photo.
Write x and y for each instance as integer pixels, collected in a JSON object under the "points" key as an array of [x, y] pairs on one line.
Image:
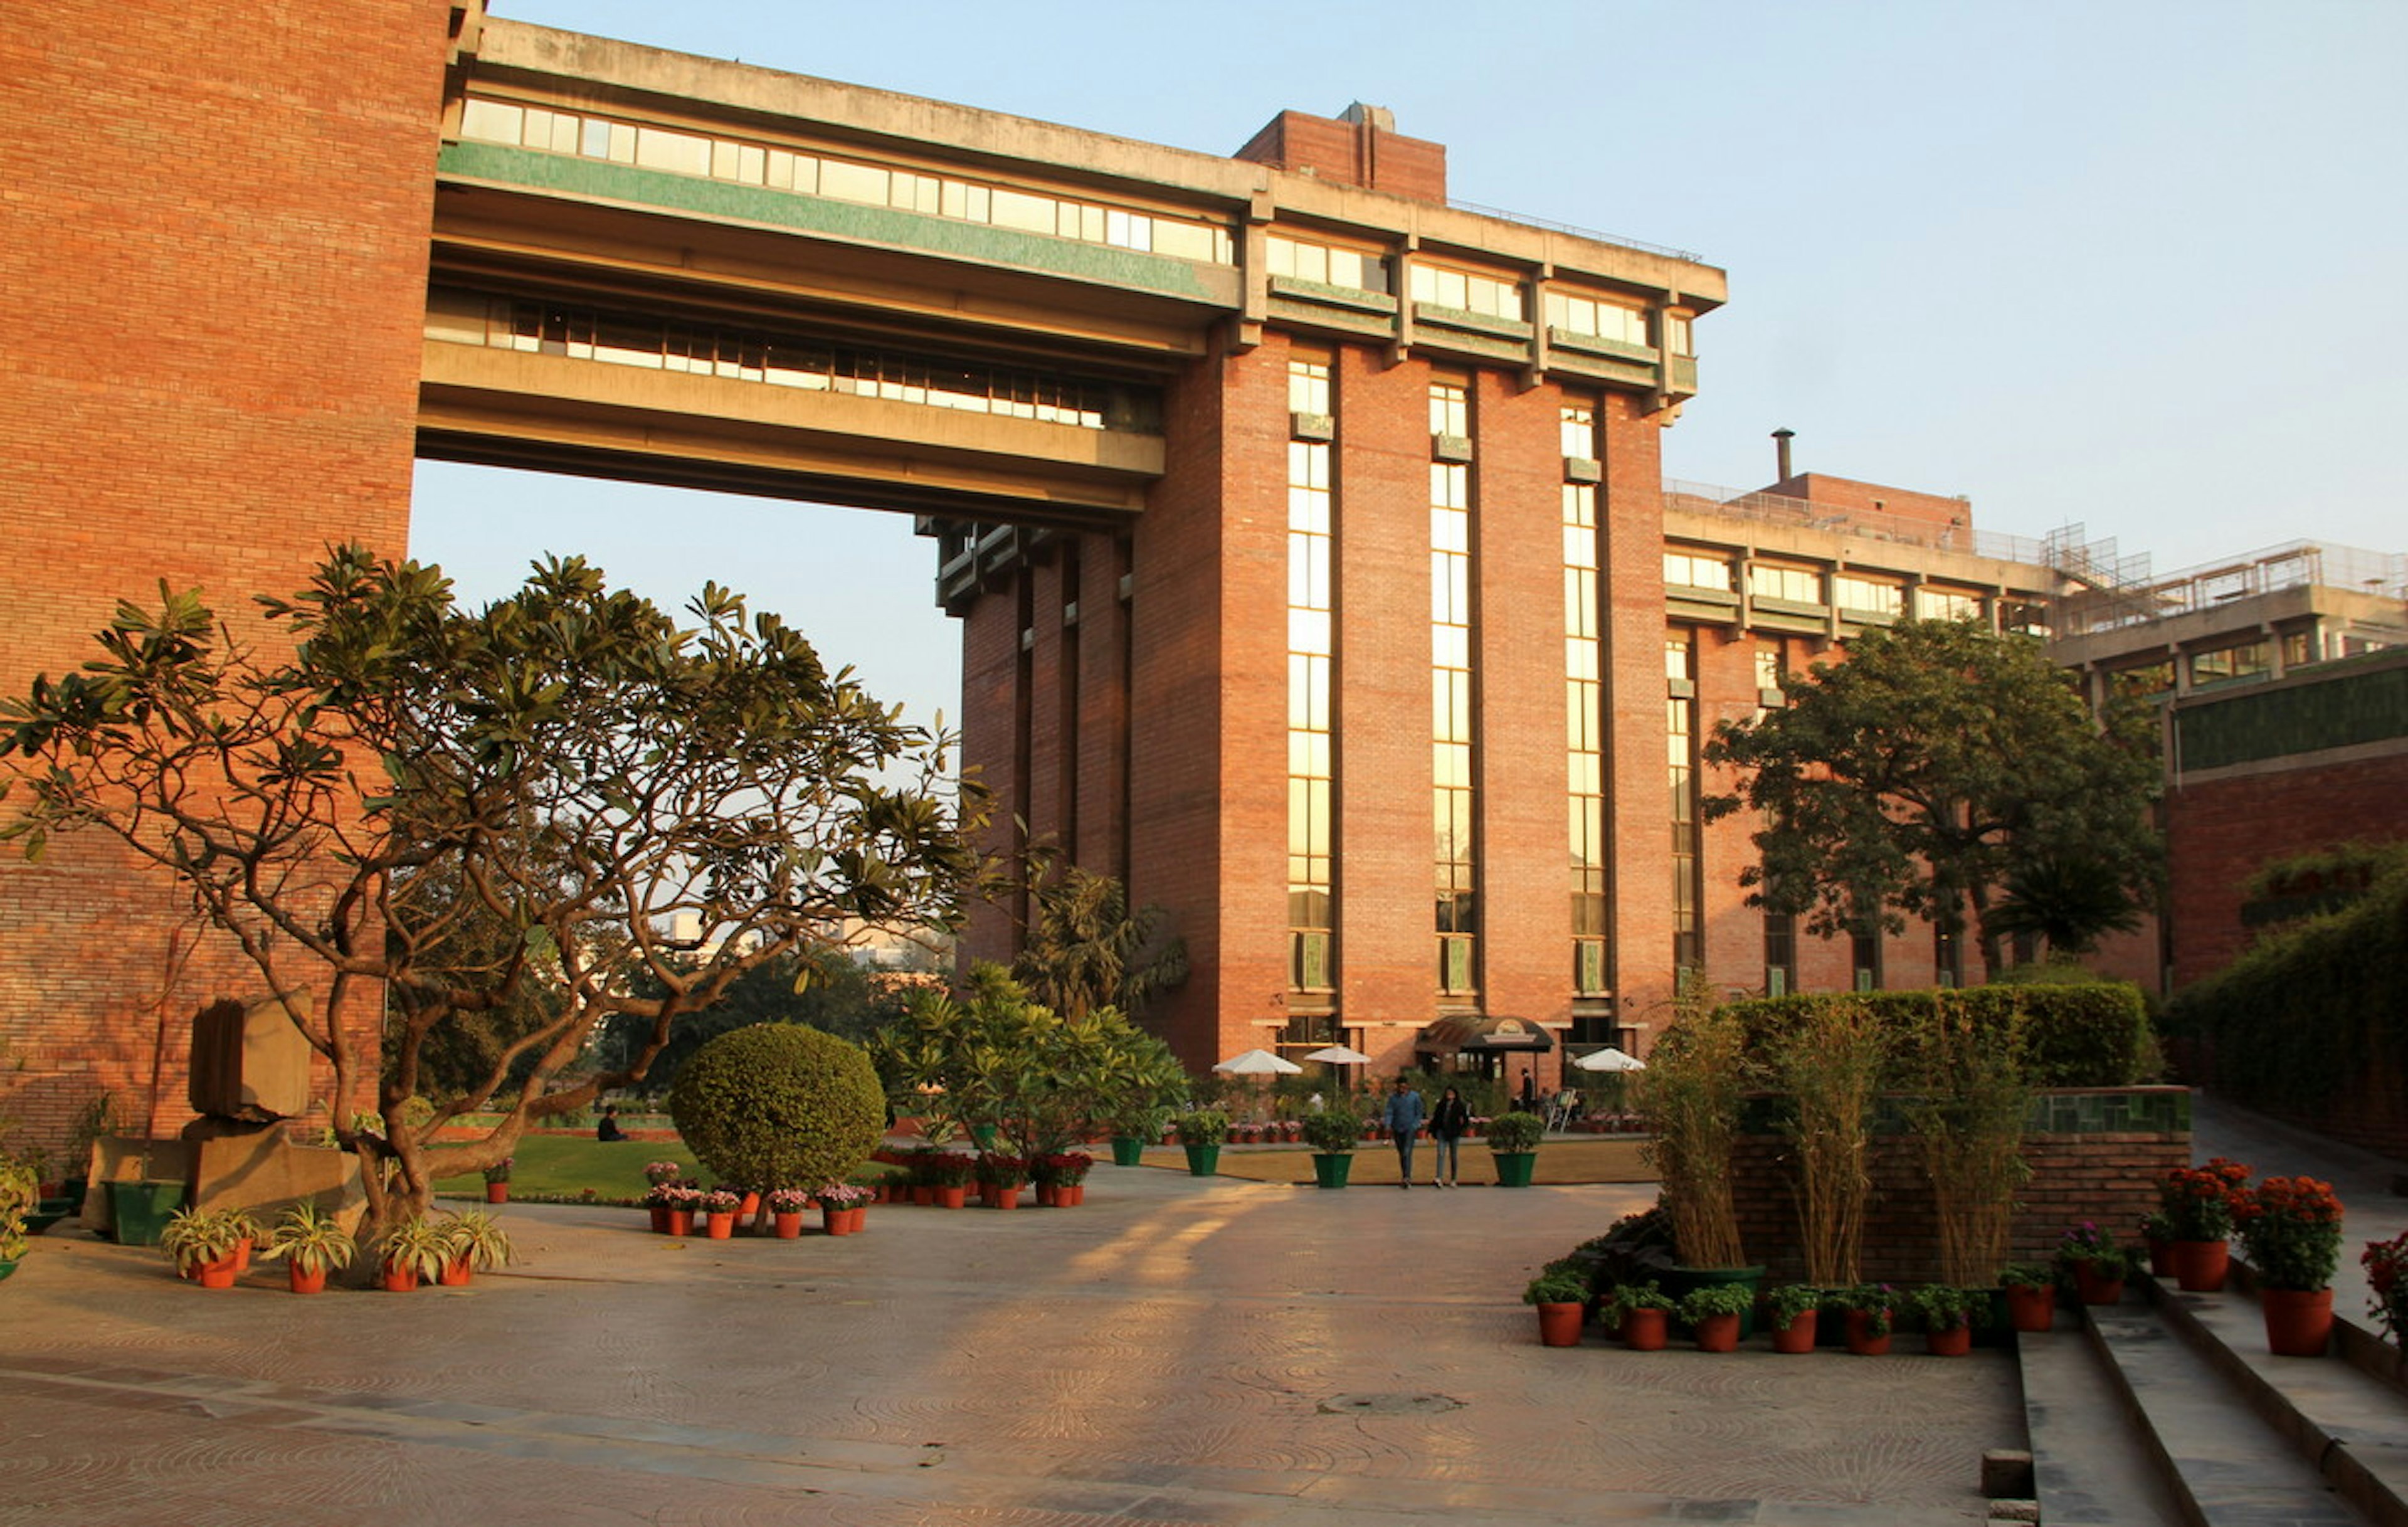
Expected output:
{"points": [[1562, 1159], [569, 1164]]}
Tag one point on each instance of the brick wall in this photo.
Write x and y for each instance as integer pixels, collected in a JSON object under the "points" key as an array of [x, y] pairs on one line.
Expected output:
{"points": [[225, 217], [2107, 1177]]}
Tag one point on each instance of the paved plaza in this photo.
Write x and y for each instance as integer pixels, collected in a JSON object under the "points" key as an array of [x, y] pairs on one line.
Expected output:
{"points": [[1176, 1351]]}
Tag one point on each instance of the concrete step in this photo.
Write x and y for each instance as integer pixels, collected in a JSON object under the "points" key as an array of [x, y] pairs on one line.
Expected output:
{"points": [[2352, 1424], [2090, 1461], [2225, 1465]]}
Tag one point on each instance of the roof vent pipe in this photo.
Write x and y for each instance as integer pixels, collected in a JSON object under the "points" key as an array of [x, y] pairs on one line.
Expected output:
{"points": [[1780, 439]]}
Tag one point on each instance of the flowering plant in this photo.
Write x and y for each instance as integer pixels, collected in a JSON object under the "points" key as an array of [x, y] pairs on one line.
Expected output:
{"points": [[788, 1201], [2291, 1230], [680, 1195], [722, 1201], [2088, 1243], [2199, 1200], [1064, 1169], [948, 1168], [661, 1173], [1002, 1171], [842, 1195], [499, 1170], [2386, 1262]]}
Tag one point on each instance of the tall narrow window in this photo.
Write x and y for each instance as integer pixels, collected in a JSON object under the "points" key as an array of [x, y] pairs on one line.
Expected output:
{"points": [[1864, 954], [1583, 719], [1680, 757], [1312, 649], [1947, 957], [1451, 694]]}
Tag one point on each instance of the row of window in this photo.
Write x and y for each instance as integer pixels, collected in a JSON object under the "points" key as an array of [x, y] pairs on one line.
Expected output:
{"points": [[630, 339], [1686, 568], [717, 158], [1312, 653], [1469, 291]]}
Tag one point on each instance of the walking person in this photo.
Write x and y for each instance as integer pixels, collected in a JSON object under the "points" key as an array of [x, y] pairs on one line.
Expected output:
{"points": [[1450, 1121], [1404, 1117]]}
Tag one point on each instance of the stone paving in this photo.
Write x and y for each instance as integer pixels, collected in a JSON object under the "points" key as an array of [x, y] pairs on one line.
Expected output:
{"points": [[1176, 1351]]}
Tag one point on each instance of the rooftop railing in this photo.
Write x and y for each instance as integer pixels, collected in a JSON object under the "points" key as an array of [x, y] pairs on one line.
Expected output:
{"points": [[1776, 509]]}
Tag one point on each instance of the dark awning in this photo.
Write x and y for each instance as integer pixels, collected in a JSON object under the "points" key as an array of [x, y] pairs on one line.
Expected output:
{"points": [[1481, 1036]]}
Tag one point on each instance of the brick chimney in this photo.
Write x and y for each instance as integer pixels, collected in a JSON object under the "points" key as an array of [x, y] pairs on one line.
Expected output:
{"points": [[1362, 147]]}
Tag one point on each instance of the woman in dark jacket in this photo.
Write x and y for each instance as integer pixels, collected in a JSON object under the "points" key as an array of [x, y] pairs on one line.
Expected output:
{"points": [[1449, 1122]]}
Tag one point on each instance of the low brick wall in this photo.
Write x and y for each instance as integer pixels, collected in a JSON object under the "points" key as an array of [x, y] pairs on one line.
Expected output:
{"points": [[2095, 1154]]}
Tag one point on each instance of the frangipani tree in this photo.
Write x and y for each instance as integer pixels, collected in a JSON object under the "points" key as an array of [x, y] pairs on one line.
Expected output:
{"points": [[421, 813]]}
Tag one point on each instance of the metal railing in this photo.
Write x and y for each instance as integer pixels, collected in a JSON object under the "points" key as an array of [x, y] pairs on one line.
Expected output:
{"points": [[2298, 564], [1776, 509], [1576, 231]]}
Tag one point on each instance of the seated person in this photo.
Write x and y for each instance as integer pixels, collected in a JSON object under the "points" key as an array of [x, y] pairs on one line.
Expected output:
{"points": [[609, 1129]]}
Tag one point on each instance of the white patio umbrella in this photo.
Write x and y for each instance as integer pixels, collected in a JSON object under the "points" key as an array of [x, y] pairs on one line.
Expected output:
{"points": [[1257, 1063], [1340, 1054], [1609, 1059]]}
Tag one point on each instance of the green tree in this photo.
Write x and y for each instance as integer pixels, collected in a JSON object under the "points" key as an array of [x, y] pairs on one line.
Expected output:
{"points": [[567, 764], [2072, 900], [1084, 949], [819, 987], [1916, 777]]}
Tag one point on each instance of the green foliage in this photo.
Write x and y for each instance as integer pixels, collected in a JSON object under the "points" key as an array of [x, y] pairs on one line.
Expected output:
{"points": [[20, 1195], [1827, 1065], [1335, 1131], [1789, 1301], [1967, 1108], [310, 1239], [818, 985], [1934, 763], [1626, 1297], [1002, 1060], [1945, 1306], [2308, 1011], [779, 1105], [1085, 949], [1717, 1299], [1509, 1133], [2095, 1035], [193, 1237], [1204, 1126], [1557, 1283], [479, 1238], [421, 1246], [1697, 1074], [427, 812]]}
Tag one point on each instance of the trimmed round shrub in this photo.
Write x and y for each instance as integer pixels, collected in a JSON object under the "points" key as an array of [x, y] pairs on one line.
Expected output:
{"points": [[779, 1105]]}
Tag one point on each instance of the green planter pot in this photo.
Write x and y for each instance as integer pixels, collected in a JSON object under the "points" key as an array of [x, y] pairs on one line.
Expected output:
{"points": [[984, 1135], [1514, 1167], [6, 1267], [1203, 1161], [1127, 1150], [1330, 1171], [1680, 1282], [140, 1210]]}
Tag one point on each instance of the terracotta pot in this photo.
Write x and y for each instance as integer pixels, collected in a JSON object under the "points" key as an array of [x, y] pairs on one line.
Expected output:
{"points": [[751, 1205], [2161, 1258], [2029, 1308], [218, 1274], [1949, 1344], [2094, 1290], [1645, 1330], [1718, 1333], [1004, 1198], [660, 1218], [455, 1272], [2298, 1321], [925, 1193], [856, 1219], [1862, 1340], [1078, 1191], [2200, 1267], [1049, 1195], [398, 1280], [242, 1256], [955, 1197], [497, 1192], [305, 1283], [1798, 1335], [720, 1226], [834, 1221], [1559, 1324], [787, 1224], [680, 1221]]}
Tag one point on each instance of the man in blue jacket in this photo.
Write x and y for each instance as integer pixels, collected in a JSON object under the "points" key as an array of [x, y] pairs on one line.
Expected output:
{"points": [[1404, 1117]]}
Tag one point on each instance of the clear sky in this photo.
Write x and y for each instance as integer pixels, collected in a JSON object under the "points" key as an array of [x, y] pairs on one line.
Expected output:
{"points": [[2132, 265]]}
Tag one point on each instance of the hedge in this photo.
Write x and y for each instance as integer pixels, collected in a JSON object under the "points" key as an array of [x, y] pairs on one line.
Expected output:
{"points": [[779, 1105], [2092, 1034], [2309, 1011]]}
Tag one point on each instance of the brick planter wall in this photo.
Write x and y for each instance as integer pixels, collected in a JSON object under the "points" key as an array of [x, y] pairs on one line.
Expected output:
{"points": [[2095, 1154]]}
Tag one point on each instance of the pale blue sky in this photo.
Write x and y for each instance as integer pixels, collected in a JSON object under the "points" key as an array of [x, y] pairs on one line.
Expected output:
{"points": [[2136, 266]]}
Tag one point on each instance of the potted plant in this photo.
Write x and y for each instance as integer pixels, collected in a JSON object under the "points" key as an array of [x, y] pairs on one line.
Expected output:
{"points": [[1868, 1309], [844, 1208], [1513, 1141], [2387, 1290], [312, 1243], [497, 1182], [1697, 1074], [999, 1176], [1332, 1134], [201, 1243], [786, 1207], [683, 1201], [2157, 1235], [1714, 1310], [473, 1242], [2097, 1265], [1640, 1312], [1200, 1133], [1949, 1314], [949, 1174], [2290, 1231], [1793, 1309], [2198, 1203], [2032, 1296], [411, 1253], [719, 1208], [1560, 1293], [1825, 1066]]}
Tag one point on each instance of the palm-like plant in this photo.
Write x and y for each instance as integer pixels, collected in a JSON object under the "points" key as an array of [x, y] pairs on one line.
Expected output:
{"points": [[2073, 903]]}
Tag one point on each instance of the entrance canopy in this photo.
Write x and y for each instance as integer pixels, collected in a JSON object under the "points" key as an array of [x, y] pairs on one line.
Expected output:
{"points": [[1481, 1036]]}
